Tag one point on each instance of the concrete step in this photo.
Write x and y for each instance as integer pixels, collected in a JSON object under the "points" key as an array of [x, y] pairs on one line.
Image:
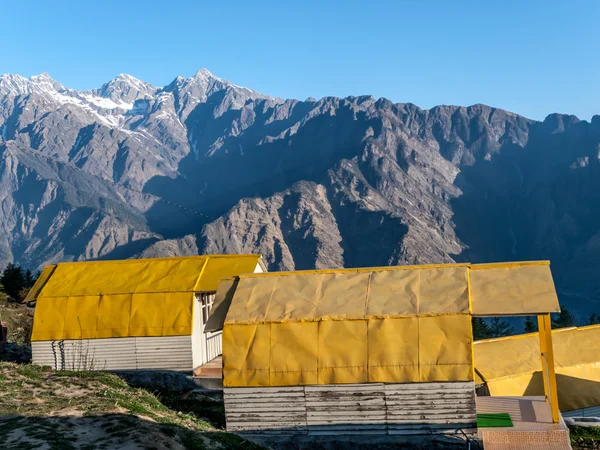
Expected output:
{"points": [[204, 370], [212, 369]]}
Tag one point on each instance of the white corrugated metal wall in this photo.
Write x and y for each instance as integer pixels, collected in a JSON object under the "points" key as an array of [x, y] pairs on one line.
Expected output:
{"points": [[206, 346], [127, 353], [197, 335]]}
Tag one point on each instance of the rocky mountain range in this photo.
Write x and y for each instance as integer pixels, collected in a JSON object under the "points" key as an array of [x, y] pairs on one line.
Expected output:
{"points": [[203, 165]]}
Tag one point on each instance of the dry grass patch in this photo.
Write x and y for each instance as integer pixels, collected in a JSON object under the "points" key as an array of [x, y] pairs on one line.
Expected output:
{"points": [[60, 410]]}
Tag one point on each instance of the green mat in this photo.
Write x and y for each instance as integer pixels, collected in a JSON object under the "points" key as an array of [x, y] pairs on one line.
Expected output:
{"points": [[494, 420]]}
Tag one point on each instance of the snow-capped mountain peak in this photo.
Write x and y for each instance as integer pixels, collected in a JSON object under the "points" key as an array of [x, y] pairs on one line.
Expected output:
{"points": [[18, 85], [125, 88], [205, 73]]}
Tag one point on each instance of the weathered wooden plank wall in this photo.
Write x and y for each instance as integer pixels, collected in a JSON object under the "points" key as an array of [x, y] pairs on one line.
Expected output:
{"points": [[263, 409], [373, 408]]}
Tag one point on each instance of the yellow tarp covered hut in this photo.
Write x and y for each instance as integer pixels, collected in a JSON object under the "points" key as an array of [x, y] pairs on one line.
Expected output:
{"points": [[130, 314], [369, 327]]}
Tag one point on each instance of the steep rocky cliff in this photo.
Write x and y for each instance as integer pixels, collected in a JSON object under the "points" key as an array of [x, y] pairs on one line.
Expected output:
{"points": [[203, 165]]}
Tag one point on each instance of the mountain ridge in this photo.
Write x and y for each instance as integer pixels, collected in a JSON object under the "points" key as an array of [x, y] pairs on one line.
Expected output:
{"points": [[203, 165]]}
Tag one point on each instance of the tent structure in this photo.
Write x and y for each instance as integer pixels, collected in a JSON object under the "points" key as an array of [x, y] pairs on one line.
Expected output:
{"points": [[356, 347], [130, 314], [577, 359]]}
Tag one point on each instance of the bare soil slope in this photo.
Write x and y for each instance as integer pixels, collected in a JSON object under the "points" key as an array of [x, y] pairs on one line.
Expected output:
{"points": [[45, 409]]}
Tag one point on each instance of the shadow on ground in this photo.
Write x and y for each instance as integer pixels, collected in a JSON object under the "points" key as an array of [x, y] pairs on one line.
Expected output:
{"points": [[206, 406], [111, 431]]}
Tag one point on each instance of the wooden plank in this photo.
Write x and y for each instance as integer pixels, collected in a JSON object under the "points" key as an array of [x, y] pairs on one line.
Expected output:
{"points": [[349, 432], [401, 406], [424, 426], [250, 397], [345, 387], [275, 408], [265, 404], [342, 427], [430, 414], [262, 390], [346, 412], [429, 397], [356, 420], [266, 419], [430, 402], [437, 409], [430, 392], [419, 418], [321, 395], [428, 431], [276, 414], [423, 422], [335, 409], [259, 400], [359, 421], [348, 403], [434, 385], [266, 395], [265, 425], [269, 432]]}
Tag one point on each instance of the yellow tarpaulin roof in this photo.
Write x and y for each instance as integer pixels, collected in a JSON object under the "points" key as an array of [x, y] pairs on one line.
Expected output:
{"points": [[512, 289], [350, 294], [511, 366], [39, 283], [400, 291], [142, 297]]}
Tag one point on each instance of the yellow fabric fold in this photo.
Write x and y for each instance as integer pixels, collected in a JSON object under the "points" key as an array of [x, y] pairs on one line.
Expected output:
{"points": [[398, 350]]}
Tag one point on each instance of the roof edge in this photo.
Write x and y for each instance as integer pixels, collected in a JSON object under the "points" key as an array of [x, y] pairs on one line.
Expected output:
{"points": [[502, 265], [124, 261], [471, 266], [355, 270]]}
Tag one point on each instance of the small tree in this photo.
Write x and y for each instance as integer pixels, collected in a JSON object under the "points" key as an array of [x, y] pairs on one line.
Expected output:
{"points": [[481, 330], [594, 320], [13, 279], [564, 319], [29, 279], [499, 328], [530, 325]]}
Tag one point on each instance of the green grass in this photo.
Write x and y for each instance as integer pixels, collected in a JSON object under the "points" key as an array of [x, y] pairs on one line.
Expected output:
{"points": [[65, 410], [585, 437]]}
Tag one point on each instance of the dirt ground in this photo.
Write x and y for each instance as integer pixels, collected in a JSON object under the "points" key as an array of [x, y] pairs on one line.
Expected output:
{"points": [[59, 410]]}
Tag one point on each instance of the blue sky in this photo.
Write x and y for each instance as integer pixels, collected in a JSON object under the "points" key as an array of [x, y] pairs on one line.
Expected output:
{"points": [[532, 57]]}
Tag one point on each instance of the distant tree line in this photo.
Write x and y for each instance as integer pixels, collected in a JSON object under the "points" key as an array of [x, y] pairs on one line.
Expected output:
{"points": [[15, 282], [496, 327]]}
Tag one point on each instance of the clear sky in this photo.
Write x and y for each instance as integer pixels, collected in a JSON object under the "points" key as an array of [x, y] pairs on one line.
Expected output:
{"points": [[532, 57]]}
